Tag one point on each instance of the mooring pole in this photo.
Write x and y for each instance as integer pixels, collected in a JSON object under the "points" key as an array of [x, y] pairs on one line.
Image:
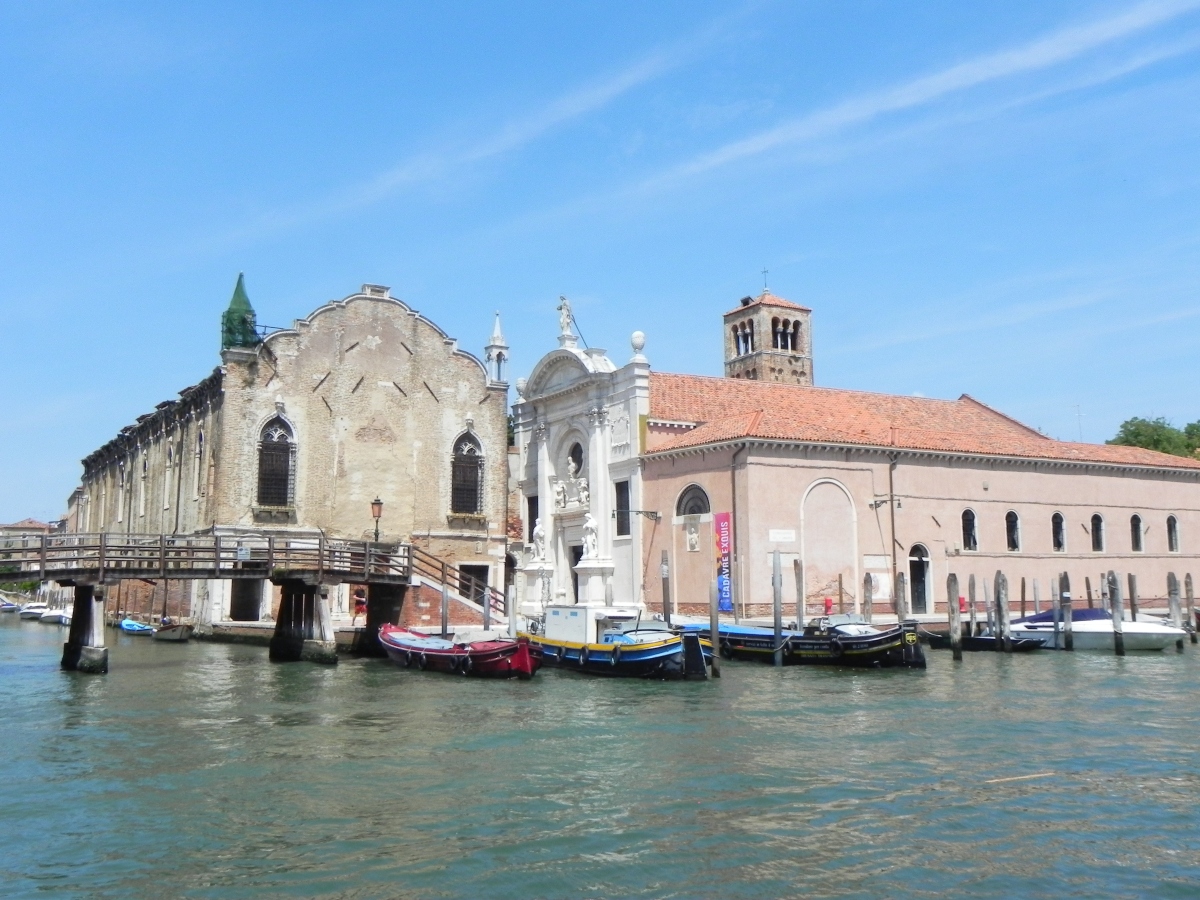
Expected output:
{"points": [[777, 605], [1056, 606], [1191, 606], [841, 595], [868, 597], [1087, 583], [1037, 598], [1022, 596], [801, 612], [1118, 613], [665, 571], [714, 629], [1173, 602], [1133, 598], [1068, 611], [1002, 611], [955, 616], [989, 611], [971, 601], [901, 597]]}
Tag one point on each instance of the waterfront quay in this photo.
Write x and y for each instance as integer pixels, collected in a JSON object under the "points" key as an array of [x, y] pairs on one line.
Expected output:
{"points": [[201, 771]]}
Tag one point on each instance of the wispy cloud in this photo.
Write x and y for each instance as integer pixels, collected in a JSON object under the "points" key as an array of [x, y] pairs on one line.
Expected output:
{"points": [[1051, 50]]}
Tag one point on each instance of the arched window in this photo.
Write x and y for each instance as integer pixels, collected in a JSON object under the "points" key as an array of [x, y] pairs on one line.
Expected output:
{"points": [[167, 477], [1058, 533], [692, 502], [795, 335], [199, 474], [750, 337], [737, 341], [1135, 533], [1097, 533], [970, 540], [466, 476], [776, 335], [1012, 531], [1172, 534], [142, 485], [575, 455], [276, 464]]}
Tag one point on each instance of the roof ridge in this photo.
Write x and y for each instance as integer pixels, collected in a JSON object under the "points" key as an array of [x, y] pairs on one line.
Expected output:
{"points": [[1006, 417]]}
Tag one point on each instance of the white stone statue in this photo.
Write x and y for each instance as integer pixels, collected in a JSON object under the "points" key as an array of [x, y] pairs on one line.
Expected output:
{"points": [[693, 538], [585, 496], [560, 495], [539, 540], [564, 316], [571, 470], [589, 537]]}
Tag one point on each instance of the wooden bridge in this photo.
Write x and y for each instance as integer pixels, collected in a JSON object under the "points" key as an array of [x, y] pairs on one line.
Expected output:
{"points": [[303, 566]]}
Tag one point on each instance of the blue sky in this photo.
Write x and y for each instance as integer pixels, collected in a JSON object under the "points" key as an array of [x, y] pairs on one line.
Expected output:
{"points": [[997, 198]]}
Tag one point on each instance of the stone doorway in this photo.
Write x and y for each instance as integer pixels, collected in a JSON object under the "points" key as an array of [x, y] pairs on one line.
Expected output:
{"points": [[918, 578]]}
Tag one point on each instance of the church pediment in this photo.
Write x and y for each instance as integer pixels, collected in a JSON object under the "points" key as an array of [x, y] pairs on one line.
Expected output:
{"points": [[556, 372]]}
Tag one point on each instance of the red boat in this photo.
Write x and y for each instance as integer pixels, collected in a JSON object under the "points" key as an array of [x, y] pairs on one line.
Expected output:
{"points": [[486, 659]]}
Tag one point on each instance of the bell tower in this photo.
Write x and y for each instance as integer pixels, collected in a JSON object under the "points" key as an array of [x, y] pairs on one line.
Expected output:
{"points": [[768, 338]]}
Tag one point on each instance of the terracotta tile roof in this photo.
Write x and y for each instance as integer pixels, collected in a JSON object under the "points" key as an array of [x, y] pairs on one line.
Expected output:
{"points": [[26, 525], [727, 409], [766, 298]]}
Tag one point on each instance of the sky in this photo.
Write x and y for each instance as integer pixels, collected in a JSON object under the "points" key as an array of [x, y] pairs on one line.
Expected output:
{"points": [[999, 198]]}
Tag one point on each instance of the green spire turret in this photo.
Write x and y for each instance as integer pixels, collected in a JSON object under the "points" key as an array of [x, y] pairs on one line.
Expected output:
{"points": [[238, 322]]}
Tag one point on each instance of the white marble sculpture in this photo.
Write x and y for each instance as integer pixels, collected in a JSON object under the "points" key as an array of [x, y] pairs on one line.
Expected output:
{"points": [[560, 495], [539, 540], [589, 537], [581, 490]]}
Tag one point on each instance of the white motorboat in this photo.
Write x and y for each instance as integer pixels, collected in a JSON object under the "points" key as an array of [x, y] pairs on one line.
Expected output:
{"points": [[177, 632], [1092, 629], [33, 610], [55, 617]]}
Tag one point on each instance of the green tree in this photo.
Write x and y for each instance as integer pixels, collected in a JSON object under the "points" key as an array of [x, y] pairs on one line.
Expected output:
{"points": [[1159, 434]]}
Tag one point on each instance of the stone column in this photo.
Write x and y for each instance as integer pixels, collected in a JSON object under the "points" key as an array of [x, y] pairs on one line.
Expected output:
{"points": [[598, 481], [84, 650], [320, 645], [546, 509]]}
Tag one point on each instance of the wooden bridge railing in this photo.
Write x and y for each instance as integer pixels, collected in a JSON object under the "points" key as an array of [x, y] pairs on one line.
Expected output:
{"points": [[98, 557], [442, 573]]}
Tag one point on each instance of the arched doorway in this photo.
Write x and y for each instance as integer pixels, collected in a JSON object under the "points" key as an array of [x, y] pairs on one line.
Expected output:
{"points": [[918, 578]]}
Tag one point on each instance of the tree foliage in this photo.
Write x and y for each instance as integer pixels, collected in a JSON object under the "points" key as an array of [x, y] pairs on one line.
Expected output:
{"points": [[1159, 434]]}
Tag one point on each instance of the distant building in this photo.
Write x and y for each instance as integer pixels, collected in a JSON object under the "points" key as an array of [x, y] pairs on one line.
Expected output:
{"points": [[301, 430], [851, 484], [28, 526]]}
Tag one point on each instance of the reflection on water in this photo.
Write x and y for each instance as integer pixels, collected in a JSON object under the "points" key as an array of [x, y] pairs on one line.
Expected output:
{"points": [[203, 771]]}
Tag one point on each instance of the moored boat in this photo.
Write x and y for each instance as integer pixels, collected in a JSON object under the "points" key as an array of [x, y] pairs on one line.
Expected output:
{"points": [[616, 642], [1092, 629], [839, 640], [129, 626], [177, 632], [982, 642], [55, 617], [33, 610], [488, 658], [8, 606]]}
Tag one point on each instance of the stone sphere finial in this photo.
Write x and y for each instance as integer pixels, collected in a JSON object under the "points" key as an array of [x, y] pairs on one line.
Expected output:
{"points": [[637, 340], [521, 385]]}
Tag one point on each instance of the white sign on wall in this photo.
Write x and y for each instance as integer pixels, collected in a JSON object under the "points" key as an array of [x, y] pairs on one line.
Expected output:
{"points": [[781, 535]]}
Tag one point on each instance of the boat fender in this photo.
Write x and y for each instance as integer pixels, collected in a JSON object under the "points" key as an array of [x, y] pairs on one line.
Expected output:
{"points": [[466, 665], [726, 650], [408, 659], [583, 656], [422, 662], [616, 654], [835, 648]]}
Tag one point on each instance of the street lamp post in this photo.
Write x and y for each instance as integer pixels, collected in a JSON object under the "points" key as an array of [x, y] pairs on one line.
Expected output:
{"points": [[377, 512]]}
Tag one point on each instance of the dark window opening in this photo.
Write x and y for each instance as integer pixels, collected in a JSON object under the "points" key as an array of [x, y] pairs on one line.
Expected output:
{"points": [[466, 477], [692, 502], [1012, 530], [970, 542], [622, 508], [531, 503], [276, 465], [1172, 534], [1135, 534], [918, 577], [1097, 534], [1058, 534], [576, 457]]}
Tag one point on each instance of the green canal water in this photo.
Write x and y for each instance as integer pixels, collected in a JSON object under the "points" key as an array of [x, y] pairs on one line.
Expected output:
{"points": [[204, 771]]}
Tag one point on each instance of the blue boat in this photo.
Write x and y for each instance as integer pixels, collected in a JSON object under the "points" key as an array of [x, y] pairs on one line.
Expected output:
{"points": [[131, 627]]}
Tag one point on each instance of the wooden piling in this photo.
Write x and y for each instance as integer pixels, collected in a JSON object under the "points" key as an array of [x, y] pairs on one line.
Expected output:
{"points": [[777, 605], [1068, 611], [955, 616], [1022, 596], [1087, 583], [714, 629], [1037, 598], [868, 597], [1191, 606], [1056, 610], [901, 597], [1118, 613], [1133, 598], [971, 601], [989, 610], [801, 612], [841, 595], [1173, 603], [666, 583], [1004, 637]]}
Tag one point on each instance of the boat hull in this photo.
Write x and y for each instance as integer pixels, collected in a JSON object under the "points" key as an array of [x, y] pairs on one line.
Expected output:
{"points": [[897, 647], [983, 643], [177, 634], [131, 627], [32, 612], [481, 659], [662, 660], [1098, 635]]}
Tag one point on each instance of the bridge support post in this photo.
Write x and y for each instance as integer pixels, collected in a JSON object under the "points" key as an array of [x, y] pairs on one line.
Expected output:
{"points": [[384, 602], [84, 650], [304, 626]]}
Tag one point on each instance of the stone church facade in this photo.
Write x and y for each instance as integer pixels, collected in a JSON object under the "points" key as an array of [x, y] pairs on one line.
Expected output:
{"points": [[853, 485], [300, 431]]}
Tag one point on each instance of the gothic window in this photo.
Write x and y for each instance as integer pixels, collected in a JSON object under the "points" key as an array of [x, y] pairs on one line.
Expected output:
{"points": [[1172, 534], [1097, 533], [692, 502], [1135, 534], [1058, 533], [622, 508], [199, 464], [466, 476], [1012, 531], [276, 464], [970, 541]]}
